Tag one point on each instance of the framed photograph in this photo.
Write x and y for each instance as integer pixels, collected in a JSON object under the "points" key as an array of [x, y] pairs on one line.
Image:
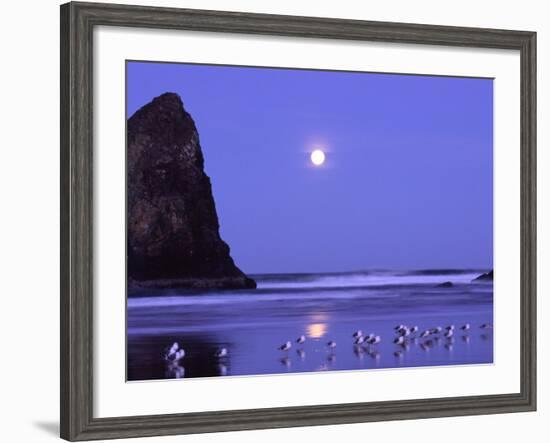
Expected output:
{"points": [[273, 221]]}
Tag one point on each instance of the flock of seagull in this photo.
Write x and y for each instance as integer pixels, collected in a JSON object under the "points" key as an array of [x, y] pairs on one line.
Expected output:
{"points": [[403, 334], [175, 353]]}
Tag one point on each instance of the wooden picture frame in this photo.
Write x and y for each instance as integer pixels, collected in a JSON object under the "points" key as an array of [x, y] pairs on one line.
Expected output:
{"points": [[77, 23]]}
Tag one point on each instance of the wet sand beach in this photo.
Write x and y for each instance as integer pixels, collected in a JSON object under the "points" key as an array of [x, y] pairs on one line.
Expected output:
{"points": [[251, 325]]}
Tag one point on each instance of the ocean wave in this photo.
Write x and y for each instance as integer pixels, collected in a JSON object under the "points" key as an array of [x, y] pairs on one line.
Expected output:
{"points": [[364, 279], [322, 287], [233, 298]]}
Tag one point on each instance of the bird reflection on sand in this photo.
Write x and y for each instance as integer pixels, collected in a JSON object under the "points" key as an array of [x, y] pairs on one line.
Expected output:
{"points": [[285, 361], [174, 370]]}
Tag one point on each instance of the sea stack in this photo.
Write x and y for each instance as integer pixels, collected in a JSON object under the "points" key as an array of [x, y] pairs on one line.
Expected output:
{"points": [[173, 229]]}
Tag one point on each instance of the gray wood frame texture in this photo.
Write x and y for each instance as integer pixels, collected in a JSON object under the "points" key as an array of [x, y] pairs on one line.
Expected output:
{"points": [[77, 24]]}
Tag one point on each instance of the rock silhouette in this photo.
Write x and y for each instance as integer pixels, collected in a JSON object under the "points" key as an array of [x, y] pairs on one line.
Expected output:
{"points": [[446, 284], [488, 276], [173, 235]]}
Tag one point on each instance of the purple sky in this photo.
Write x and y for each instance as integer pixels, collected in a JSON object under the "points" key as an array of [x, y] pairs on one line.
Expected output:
{"points": [[407, 183]]}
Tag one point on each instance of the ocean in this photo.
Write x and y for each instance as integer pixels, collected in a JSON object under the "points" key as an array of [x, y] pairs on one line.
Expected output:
{"points": [[252, 324]]}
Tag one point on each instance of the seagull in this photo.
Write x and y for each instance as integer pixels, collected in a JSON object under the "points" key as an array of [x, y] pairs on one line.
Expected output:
{"points": [[285, 347], [485, 326], [359, 340], [449, 333], [399, 340], [465, 327], [171, 350], [414, 329], [358, 333], [405, 332], [436, 330], [331, 344], [174, 353], [177, 356], [398, 327], [424, 334], [450, 328], [374, 340], [301, 339], [221, 353]]}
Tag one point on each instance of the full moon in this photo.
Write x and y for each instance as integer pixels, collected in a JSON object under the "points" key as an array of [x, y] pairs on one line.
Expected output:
{"points": [[317, 157]]}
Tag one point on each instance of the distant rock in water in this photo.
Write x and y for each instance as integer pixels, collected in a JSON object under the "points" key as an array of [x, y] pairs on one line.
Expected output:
{"points": [[488, 276], [446, 284], [173, 230]]}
